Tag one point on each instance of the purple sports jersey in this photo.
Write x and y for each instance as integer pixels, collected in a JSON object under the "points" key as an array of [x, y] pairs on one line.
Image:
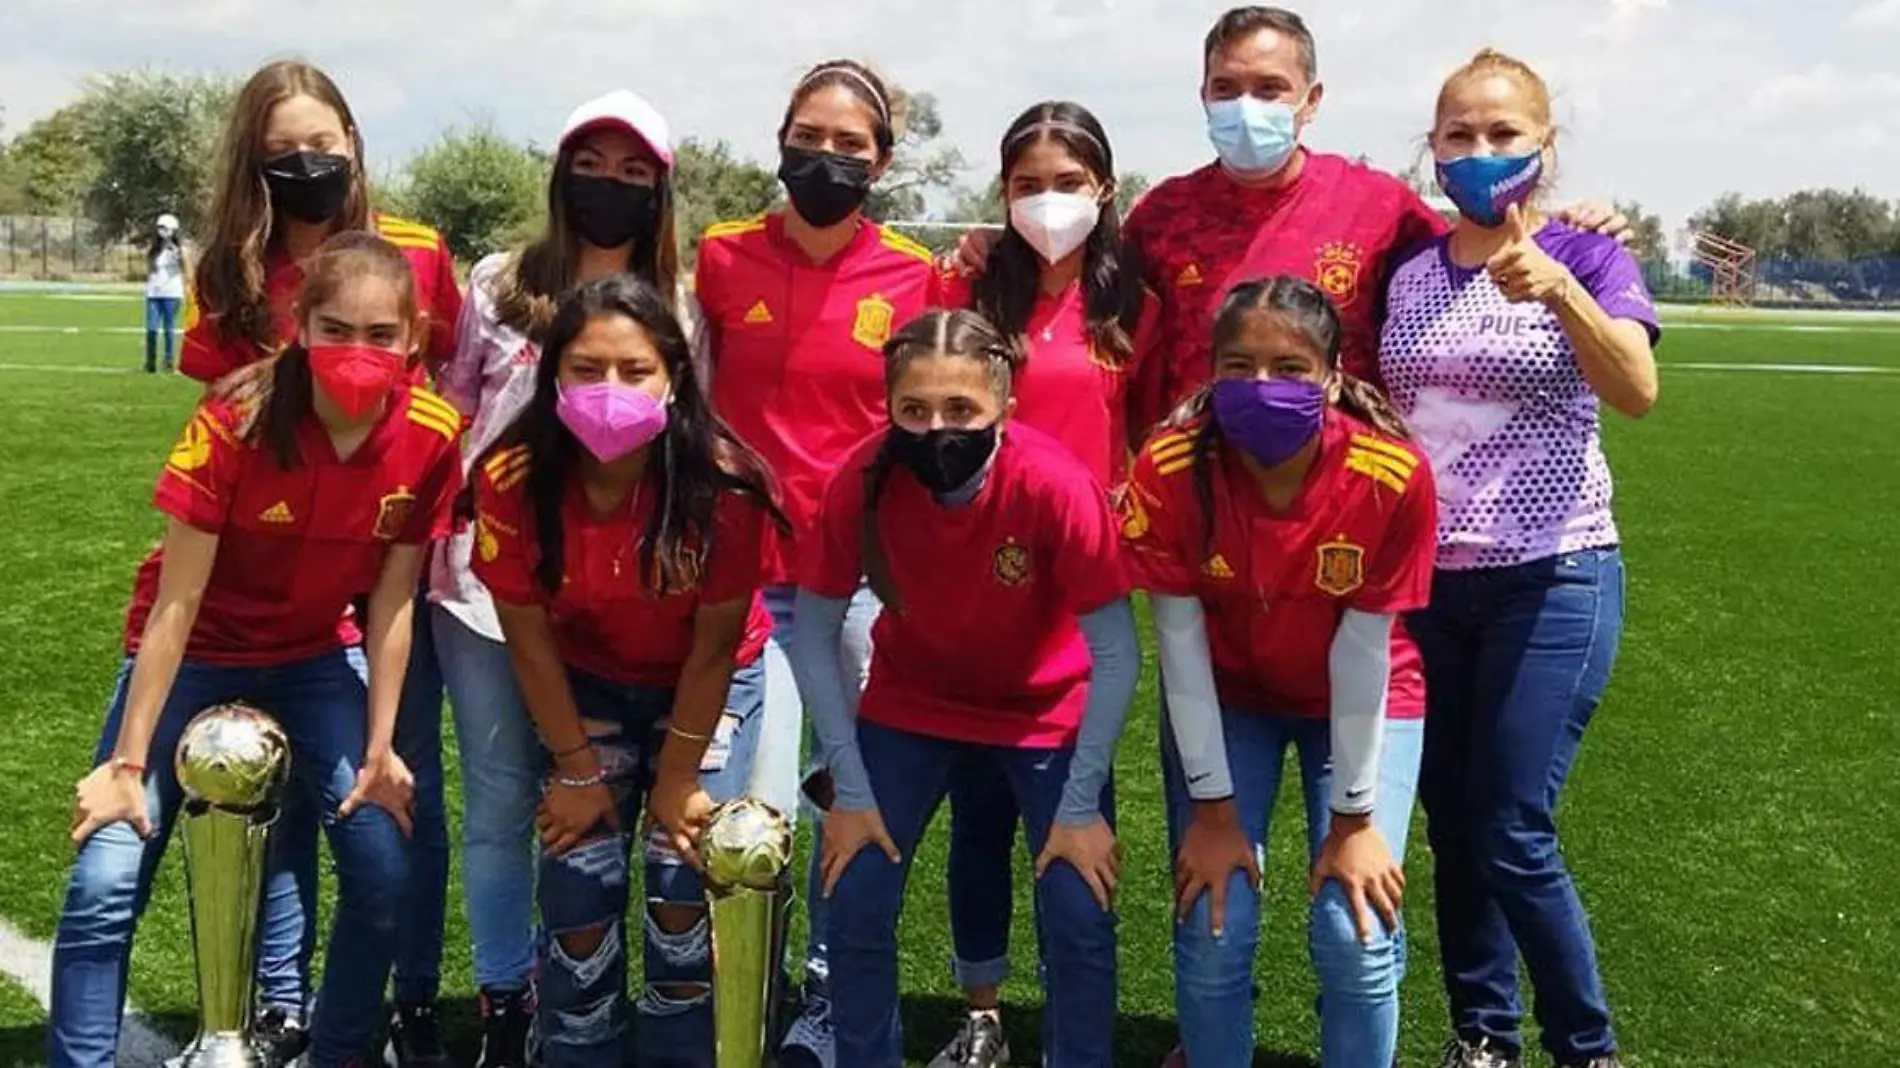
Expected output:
{"points": [[1492, 392]]}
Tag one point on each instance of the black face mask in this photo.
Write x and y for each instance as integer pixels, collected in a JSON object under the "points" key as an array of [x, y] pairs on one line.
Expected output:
{"points": [[308, 186], [609, 213], [945, 459], [824, 187]]}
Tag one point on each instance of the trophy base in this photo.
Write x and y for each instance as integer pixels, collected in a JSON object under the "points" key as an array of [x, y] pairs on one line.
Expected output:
{"points": [[225, 1049]]}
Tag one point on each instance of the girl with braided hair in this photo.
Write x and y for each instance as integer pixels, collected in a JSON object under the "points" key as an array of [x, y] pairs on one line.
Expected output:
{"points": [[1280, 523]]}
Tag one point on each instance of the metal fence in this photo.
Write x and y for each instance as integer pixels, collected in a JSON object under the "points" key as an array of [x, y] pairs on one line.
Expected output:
{"points": [[1790, 283], [60, 248]]}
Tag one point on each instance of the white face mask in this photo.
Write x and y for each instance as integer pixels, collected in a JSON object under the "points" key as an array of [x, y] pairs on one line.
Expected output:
{"points": [[1055, 224]]}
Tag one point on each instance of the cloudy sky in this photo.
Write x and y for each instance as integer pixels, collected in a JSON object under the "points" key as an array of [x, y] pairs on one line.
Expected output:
{"points": [[1669, 102]]}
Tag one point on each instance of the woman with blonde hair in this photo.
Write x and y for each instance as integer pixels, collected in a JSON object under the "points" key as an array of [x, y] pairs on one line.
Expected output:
{"points": [[1502, 341]]}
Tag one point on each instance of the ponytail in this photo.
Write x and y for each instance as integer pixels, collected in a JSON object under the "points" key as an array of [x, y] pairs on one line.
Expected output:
{"points": [[877, 567], [1369, 404]]}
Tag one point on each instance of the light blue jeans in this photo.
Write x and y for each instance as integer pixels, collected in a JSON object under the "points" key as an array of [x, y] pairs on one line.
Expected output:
{"points": [[502, 762], [322, 705], [777, 770], [1359, 982]]}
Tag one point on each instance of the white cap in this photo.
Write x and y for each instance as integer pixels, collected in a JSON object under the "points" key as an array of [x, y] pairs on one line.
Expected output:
{"points": [[168, 223], [622, 110]]}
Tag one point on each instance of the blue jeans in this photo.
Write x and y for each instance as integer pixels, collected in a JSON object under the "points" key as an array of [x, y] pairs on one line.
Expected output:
{"points": [[775, 780], [982, 876], [288, 927], [583, 892], [321, 704], [910, 776], [161, 314], [502, 763], [1359, 981], [1515, 660]]}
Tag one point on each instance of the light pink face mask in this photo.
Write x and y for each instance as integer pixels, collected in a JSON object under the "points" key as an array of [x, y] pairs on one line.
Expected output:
{"points": [[611, 419]]}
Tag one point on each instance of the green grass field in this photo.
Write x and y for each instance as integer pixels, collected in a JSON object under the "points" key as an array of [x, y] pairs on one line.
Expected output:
{"points": [[1732, 818]]}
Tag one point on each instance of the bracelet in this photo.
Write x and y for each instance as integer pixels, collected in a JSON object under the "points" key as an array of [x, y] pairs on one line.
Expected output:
{"points": [[587, 782], [688, 735], [122, 764], [583, 747]]}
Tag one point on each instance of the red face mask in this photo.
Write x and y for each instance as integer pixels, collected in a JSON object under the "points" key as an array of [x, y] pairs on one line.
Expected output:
{"points": [[355, 376]]}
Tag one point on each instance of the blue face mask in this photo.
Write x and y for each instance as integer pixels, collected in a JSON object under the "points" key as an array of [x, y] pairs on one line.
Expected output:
{"points": [[1483, 187], [1253, 136]]}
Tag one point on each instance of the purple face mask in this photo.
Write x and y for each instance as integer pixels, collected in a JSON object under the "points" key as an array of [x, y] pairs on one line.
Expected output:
{"points": [[612, 420], [1271, 420]]}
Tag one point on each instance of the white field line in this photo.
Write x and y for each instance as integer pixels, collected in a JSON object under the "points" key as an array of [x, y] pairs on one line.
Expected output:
{"points": [[28, 961]]}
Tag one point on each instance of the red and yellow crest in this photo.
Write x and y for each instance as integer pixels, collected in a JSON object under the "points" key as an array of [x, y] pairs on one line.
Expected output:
{"points": [[1337, 270], [872, 327], [1341, 567], [1133, 514], [1010, 563], [392, 513]]}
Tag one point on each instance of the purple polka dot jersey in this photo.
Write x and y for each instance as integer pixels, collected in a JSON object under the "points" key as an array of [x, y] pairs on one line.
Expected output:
{"points": [[1493, 394]]}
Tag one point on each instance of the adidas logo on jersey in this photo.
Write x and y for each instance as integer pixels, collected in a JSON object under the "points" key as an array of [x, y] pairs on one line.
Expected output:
{"points": [[1217, 567], [277, 513], [758, 313], [1189, 276]]}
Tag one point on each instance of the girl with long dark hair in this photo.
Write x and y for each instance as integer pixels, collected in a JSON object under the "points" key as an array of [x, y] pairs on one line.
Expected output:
{"points": [[799, 302], [344, 477], [1058, 282], [617, 526], [610, 210]]}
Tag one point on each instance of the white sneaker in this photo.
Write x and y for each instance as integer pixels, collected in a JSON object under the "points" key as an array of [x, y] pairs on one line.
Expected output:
{"points": [[810, 1041]]}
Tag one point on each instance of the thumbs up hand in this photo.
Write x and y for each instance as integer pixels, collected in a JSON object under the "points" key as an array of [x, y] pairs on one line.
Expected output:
{"points": [[1522, 271]]}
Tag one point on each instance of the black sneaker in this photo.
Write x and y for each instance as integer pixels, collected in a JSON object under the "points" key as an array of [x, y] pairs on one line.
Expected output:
{"points": [[979, 1045], [415, 1038], [1482, 1054], [280, 1035], [509, 1039]]}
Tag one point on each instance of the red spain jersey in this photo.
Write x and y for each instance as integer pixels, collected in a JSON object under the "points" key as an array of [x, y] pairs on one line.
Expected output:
{"points": [[296, 546], [1339, 224], [983, 646], [607, 619], [1066, 388], [1361, 534], [207, 355], [798, 350]]}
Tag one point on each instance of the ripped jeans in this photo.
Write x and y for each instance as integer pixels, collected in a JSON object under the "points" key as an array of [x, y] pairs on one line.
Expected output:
{"points": [[583, 893]]}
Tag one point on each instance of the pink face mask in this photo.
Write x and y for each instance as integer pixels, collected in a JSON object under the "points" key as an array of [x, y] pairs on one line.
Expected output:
{"points": [[612, 420]]}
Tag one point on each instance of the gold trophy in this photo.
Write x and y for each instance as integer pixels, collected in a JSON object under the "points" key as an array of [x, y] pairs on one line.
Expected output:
{"points": [[747, 849], [232, 763]]}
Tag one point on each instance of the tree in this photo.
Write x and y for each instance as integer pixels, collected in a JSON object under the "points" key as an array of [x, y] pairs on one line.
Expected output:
{"points": [[1755, 223], [1648, 241], [48, 164], [920, 165], [481, 190], [1813, 224], [1834, 224], [978, 206], [713, 185], [1128, 189], [152, 141]]}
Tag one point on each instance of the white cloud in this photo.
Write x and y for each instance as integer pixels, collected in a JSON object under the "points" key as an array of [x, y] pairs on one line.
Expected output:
{"points": [[1667, 101], [1875, 15], [1626, 16]]}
